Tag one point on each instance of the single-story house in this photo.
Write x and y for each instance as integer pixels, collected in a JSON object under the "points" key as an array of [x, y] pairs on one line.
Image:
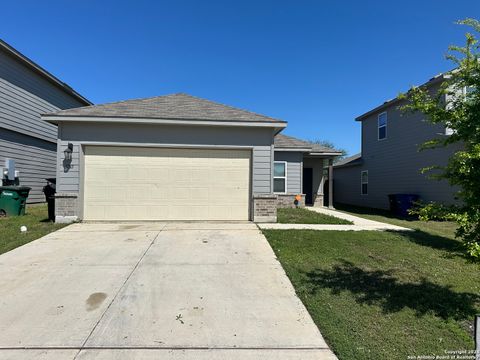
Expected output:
{"points": [[179, 157], [27, 91]]}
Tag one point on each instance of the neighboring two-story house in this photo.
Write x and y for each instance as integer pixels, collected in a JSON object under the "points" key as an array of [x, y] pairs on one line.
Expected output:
{"points": [[390, 161], [26, 91]]}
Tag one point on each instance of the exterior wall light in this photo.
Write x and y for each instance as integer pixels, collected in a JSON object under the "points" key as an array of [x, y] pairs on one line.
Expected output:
{"points": [[68, 152]]}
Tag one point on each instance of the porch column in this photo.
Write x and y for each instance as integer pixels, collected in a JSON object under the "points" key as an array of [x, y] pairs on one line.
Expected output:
{"points": [[320, 195], [330, 184]]}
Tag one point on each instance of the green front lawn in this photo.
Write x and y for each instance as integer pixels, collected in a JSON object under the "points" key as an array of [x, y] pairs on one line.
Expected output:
{"points": [[383, 295], [441, 228], [36, 221], [304, 216]]}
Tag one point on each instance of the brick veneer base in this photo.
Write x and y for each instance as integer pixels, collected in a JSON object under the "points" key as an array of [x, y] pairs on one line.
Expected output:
{"points": [[288, 201], [265, 208], [66, 207], [318, 202]]}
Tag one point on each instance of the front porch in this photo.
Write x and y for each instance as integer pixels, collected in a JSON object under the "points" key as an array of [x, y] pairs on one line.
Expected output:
{"points": [[303, 179], [317, 180], [302, 176]]}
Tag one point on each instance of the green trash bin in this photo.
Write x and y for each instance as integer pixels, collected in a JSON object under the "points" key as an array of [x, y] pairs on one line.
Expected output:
{"points": [[13, 200]]}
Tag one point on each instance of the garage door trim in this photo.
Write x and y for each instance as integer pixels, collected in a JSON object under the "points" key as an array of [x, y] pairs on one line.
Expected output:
{"points": [[82, 166]]}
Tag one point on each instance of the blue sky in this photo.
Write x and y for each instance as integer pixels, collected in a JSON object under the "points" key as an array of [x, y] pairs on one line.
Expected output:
{"points": [[317, 64]]}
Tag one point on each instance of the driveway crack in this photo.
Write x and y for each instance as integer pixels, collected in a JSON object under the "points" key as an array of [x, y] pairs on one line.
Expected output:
{"points": [[82, 347]]}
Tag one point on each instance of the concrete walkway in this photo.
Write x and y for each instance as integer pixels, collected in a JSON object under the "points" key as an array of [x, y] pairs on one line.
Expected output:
{"points": [[359, 224], [152, 291]]}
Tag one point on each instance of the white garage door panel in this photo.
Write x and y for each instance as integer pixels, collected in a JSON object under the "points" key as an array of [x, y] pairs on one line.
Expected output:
{"points": [[129, 183]]}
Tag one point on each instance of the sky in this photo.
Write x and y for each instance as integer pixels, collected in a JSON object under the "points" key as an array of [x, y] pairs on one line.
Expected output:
{"points": [[316, 64]]}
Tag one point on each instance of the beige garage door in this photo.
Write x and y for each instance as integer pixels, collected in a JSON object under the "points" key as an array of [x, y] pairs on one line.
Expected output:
{"points": [[130, 183]]}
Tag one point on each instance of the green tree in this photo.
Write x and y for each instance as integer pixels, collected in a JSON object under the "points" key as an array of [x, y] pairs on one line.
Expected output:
{"points": [[457, 106], [330, 145]]}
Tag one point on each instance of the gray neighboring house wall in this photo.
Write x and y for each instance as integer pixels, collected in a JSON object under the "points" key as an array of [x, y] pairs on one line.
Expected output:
{"points": [[26, 92], [394, 163]]}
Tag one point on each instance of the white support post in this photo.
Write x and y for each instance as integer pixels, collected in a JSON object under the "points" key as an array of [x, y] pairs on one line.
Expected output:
{"points": [[320, 195]]}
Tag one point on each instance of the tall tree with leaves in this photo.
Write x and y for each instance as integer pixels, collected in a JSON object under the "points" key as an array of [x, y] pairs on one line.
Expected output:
{"points": [[457, 105]]}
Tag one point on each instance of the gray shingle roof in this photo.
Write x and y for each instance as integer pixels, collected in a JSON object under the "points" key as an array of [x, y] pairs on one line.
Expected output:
{"points": [[350, 161], [284, 141], [321, 148], [174, 106]]}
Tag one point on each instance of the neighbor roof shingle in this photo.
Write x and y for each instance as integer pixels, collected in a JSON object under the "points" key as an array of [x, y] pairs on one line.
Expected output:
{"points": [[350, 161], [174, 106]]}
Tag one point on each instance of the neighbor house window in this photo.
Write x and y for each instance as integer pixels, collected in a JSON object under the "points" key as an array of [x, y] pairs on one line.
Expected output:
{"points": [[382, 126], [364, 182], [469, 89], [280, 177]]}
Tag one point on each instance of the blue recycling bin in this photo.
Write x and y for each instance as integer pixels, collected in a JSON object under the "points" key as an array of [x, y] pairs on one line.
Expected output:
{"points": [[401, 203]]}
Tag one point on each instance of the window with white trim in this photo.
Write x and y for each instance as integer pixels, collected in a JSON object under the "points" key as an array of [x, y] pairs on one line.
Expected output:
{"points": [[364, 182], [468, 90], [466, 93], [280, 177], [382, 126]]}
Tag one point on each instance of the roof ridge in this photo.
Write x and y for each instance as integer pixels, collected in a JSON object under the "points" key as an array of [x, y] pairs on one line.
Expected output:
{"points": [[229, 106], [175, 106], [429, 82], [128, 100], [179, 94]]}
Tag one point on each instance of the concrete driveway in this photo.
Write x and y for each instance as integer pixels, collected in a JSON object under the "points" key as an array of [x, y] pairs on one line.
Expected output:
{"points": [[152, 291]]}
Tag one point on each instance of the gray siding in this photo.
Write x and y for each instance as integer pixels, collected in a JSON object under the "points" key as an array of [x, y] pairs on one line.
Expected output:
{"points": [[262, 169], [20, 111], [35, 87], [24, 137], [394, 164], [259, 139], [294, 170], [346, 187], [23, 149]]}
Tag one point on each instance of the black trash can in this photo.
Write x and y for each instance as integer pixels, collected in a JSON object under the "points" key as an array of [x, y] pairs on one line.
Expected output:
{"points": [[401, 203], [49, 191]]}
